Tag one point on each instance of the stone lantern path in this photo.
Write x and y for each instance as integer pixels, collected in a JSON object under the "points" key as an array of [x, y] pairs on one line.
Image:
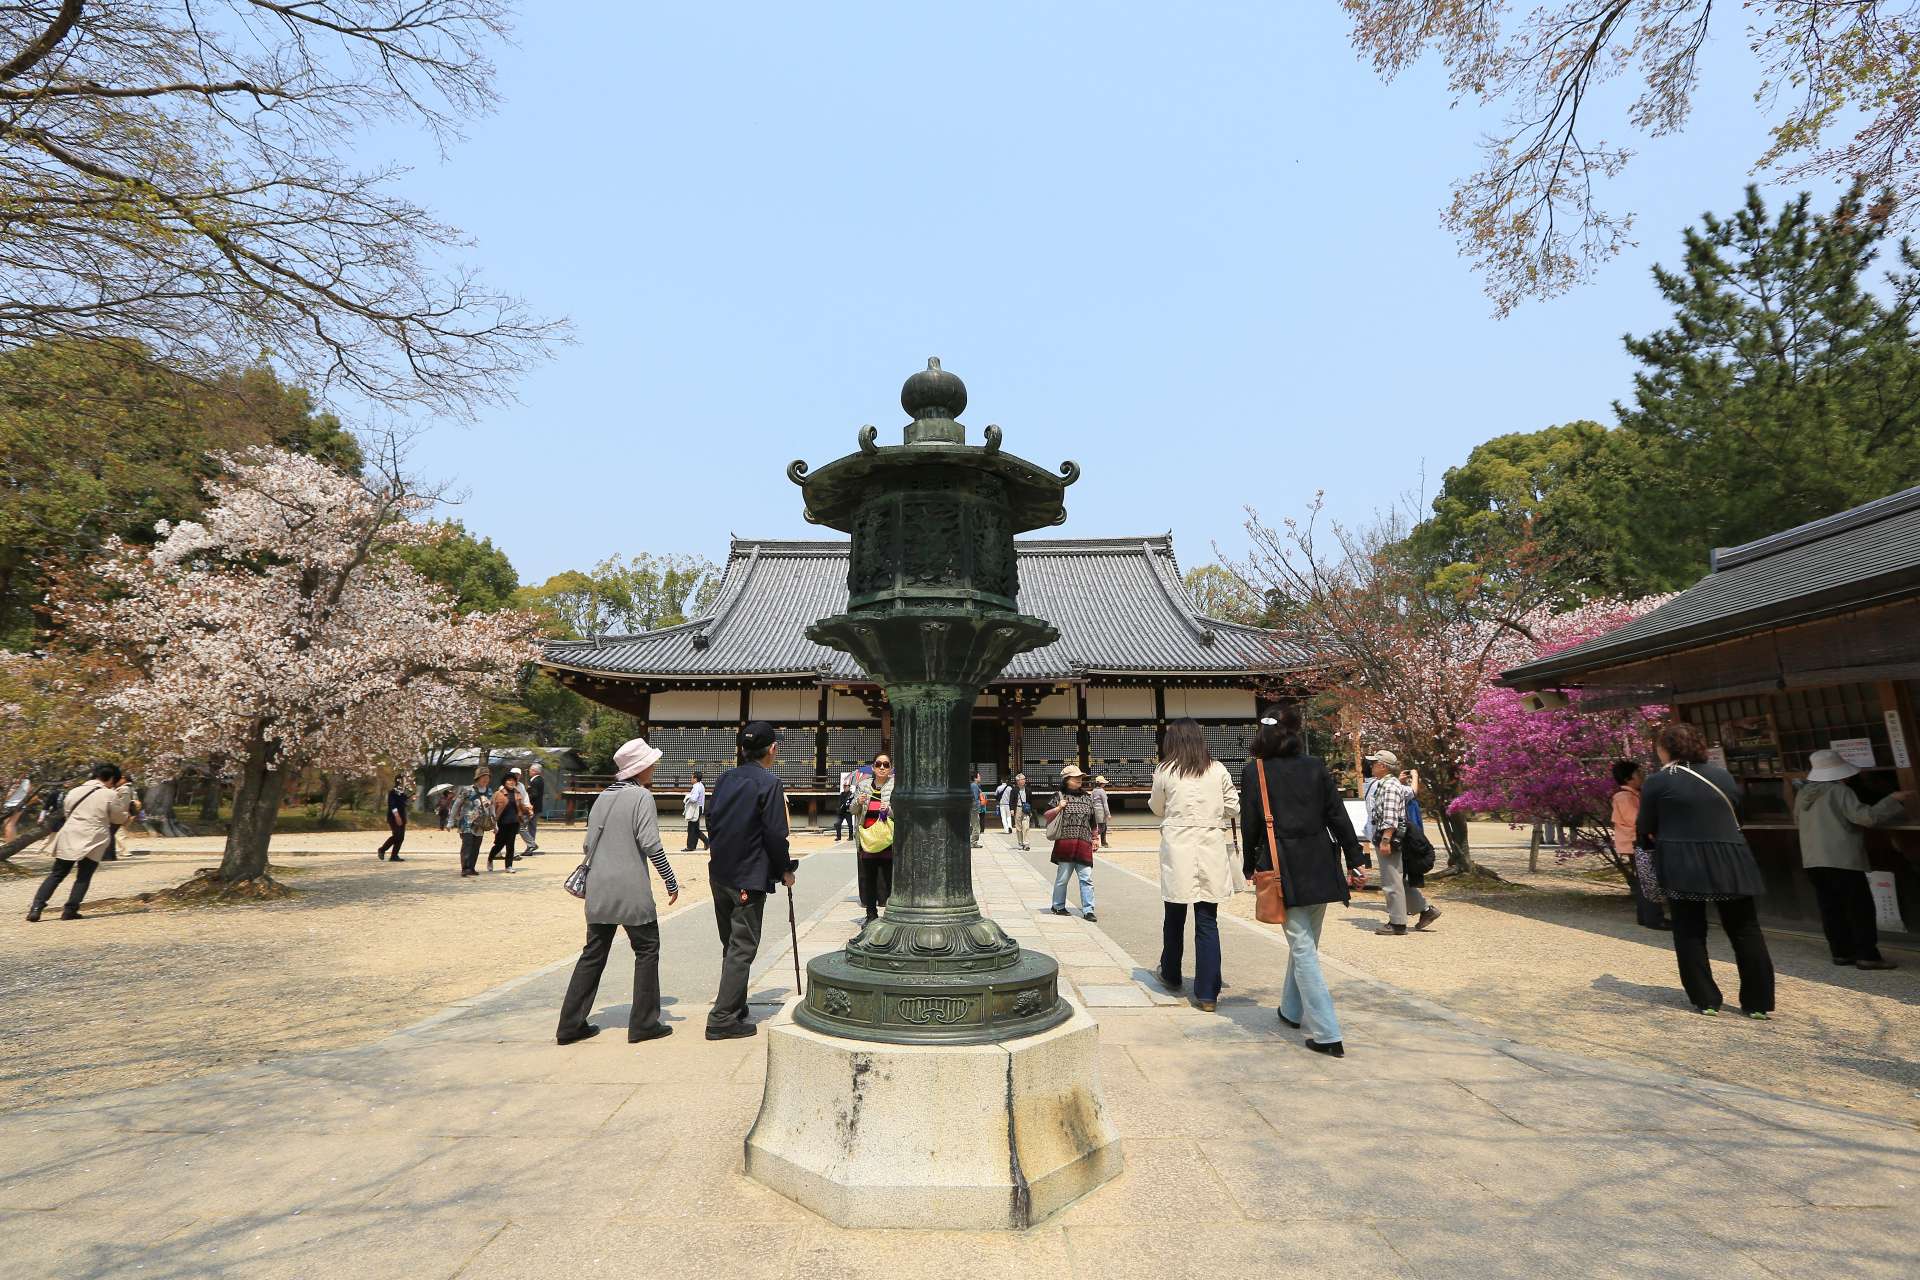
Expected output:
{"points": [[471, 1146]]}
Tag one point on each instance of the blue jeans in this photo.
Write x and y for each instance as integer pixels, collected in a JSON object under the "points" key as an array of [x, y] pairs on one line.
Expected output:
{"points": [[1206, 947], [1063, 872], [1305, 998]]}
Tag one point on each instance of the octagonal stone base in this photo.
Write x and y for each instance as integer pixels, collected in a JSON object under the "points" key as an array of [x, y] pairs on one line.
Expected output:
{"points": [[977, 1137]]}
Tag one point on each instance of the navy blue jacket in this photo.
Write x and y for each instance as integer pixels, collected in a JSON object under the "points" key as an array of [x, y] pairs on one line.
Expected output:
{"points": [[747, 823]]}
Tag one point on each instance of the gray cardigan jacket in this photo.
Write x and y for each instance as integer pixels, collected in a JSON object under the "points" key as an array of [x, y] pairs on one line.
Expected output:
{"points": [[1830, 817], [623, 835]]}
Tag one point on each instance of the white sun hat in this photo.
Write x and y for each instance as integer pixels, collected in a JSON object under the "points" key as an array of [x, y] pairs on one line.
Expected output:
{"points": [[635, 757], [1829, 766]]}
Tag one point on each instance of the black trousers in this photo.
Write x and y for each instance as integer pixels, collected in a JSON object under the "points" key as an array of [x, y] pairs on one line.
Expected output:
{"points": [[82, 881], [845, 819], [1846, 913], [398, 838], [1206, 946], [694, 837], [876, 883], [739, 924], [585, 984], [1741, 920], [469, 850], [503, 838]]}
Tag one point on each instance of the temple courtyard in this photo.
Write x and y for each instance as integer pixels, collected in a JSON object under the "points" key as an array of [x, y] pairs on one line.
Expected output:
{"points": [[362, 1081]]}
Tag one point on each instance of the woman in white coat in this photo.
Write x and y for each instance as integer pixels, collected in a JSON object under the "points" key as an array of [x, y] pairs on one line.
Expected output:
{"points": [[1195, 800]]}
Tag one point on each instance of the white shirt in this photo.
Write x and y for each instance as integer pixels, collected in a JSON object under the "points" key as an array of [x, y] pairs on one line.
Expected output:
{"points": [[697, 798]]}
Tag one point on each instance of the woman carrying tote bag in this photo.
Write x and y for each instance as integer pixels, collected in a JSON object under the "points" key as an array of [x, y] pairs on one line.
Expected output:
{"points": [[1194, 799], [1296, 796]]}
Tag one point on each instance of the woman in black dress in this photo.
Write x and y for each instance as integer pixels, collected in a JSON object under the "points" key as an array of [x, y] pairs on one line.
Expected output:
{"points": [[1689, 817]]}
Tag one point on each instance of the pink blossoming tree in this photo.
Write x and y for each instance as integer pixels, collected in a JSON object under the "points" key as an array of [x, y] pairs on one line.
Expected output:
{"points": [[1555, 765], [280, 631]]}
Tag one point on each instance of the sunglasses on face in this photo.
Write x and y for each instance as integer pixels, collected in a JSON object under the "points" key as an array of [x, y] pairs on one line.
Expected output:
{"points": [[883, 764]]}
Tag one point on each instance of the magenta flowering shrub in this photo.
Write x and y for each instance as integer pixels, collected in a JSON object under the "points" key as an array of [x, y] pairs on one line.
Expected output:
{"points": [[1554, 765]]}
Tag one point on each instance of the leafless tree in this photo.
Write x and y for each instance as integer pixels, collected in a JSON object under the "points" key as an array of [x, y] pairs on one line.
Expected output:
{"points": [[1532, 219], [176, 172]]}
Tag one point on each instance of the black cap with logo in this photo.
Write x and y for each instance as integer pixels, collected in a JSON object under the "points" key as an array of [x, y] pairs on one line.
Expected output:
{"points": [[757, 736]]}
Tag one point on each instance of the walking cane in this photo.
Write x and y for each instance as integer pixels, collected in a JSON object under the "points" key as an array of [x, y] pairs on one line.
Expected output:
{"points": [[793, 927]]}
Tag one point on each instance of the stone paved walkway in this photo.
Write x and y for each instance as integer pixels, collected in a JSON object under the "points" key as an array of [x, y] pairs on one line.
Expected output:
{"points": [[471, 1146]]}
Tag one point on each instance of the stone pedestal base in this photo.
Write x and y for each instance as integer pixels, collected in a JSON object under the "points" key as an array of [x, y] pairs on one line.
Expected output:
{"points": [[976, 1137]]}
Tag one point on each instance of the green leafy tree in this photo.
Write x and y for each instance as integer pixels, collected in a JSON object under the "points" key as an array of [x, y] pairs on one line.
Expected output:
{"points": [[642, 593], [1786, 388], [473, 571], [1218, 592], [99, 440]]}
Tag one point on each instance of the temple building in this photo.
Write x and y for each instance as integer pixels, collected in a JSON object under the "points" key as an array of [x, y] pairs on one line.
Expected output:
{"points": [[1133, 654]]}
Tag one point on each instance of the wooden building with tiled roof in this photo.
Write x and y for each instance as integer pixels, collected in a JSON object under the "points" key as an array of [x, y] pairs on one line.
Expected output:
{"points": [[1133, 654]]}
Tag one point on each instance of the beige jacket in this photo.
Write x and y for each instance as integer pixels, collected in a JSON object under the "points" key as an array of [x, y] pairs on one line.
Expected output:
{"points": [[1830, 818], [94, 809], [1197, 861]]}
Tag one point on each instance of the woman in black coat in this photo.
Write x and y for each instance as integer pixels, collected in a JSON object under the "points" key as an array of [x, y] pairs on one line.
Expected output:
{"points": [[1689, 817], [1311, 826]]}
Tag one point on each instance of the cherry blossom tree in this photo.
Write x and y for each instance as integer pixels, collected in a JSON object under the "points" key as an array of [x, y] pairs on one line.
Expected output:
{"points": [[282, 631], [1553, 765]]}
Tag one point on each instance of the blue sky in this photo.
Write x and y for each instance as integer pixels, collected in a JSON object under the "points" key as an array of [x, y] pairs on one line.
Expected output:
{"points": [[1197, 250]]}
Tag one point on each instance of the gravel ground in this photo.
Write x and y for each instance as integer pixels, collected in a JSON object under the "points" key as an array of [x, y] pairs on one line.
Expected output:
{"points": [[133, 996], [1556, 960]]}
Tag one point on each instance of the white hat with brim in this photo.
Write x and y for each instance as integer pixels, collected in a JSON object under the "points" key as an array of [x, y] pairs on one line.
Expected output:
{"points": [[635, 757], [1072, 771], [1829, 766]]}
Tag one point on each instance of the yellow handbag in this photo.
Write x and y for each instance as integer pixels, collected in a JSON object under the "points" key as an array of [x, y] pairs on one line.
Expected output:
{"points": [[877, 837]]}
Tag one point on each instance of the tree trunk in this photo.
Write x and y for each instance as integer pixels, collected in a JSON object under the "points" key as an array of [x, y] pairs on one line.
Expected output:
{"points": [[1459, 853], [256, 808], [1533, 850], [210, 802], [158, 811], [30, 834], [330, 804]]}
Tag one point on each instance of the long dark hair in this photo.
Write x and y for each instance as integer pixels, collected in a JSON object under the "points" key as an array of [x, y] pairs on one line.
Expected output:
{"points": [[1279, 734], [1185, 751]]}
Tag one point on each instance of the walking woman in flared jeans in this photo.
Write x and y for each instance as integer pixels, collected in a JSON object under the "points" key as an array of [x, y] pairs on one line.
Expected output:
{"points": [[1193, 797], [1311, 826]]}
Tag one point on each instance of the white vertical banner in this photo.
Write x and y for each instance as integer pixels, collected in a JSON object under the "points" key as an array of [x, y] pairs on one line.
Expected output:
{"points": [[1897, 738], [1886, 902]]}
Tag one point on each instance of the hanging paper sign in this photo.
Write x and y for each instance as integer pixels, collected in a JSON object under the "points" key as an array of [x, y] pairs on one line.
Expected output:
{"points": [[1717, 755], [1898, 739], [1886, 902], [1857, 752]]}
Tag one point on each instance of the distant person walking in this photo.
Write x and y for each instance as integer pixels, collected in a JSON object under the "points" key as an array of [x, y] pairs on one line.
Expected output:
{"points": [[397, 800], [979, 809], [1831, 817], [845, 816], [536, 790], [1075, 841], [474, 812], [509, 808], [1102, 811], [1194, 798], [873, 826], [693, 809], [445, 807], [623, 836], [1021, 810], [94, 811], [1311, 826], [751, 855], [1387, 813], [15, 805], [1689, 817]]}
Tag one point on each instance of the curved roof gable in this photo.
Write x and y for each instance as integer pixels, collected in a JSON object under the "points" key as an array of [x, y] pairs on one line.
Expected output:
{"points": [[1118, 603]]}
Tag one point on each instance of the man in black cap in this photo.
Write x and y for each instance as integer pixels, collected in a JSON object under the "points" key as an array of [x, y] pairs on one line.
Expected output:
{"points": [[747, 828]]}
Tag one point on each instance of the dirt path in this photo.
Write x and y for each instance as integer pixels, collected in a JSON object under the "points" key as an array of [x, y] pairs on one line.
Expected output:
{"points": [[130, 997], [1559, 962]]}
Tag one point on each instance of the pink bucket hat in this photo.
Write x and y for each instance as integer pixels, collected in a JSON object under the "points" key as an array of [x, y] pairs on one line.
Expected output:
{"points": [[635, 757]]}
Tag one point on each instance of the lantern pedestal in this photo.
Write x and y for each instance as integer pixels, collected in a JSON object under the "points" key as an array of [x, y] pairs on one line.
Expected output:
{"points": [[989, 1136]]}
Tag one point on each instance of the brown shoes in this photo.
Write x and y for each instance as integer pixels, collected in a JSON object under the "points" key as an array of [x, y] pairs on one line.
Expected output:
{"points": [[1427, 918], [1875, 964], [1392, 931]]}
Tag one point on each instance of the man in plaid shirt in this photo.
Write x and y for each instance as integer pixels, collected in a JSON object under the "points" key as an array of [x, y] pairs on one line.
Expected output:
{"points": [[1387, 811]]}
